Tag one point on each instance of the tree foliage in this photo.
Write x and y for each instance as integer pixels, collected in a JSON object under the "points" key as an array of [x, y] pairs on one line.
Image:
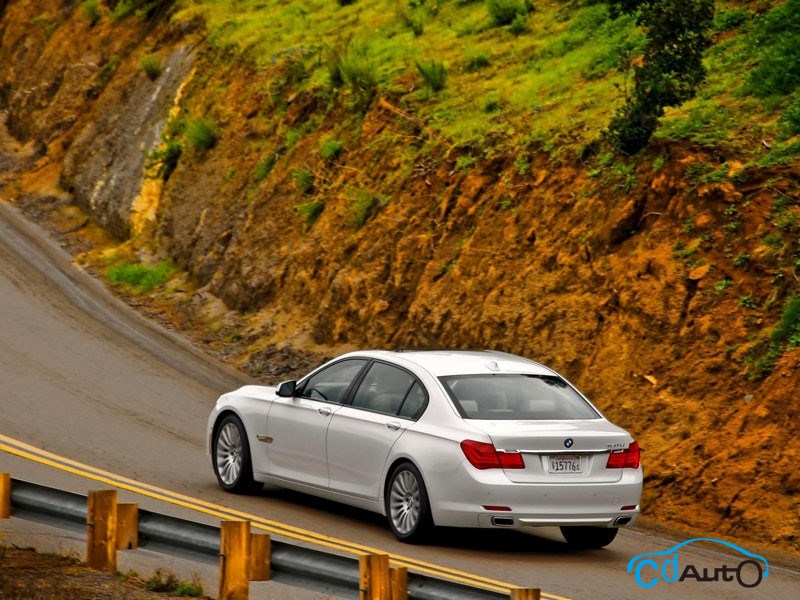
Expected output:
{"points": [[672, 67]]}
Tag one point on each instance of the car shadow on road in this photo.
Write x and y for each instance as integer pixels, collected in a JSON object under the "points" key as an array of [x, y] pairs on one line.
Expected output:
{"points": [[544, 541]]}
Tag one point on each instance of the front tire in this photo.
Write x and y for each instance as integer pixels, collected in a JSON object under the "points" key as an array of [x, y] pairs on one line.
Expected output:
{"points": [[407, 506], [587, 538], [232, 464]]}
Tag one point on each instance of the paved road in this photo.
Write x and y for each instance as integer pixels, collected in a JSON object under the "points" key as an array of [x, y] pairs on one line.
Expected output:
{"points": [[84, 377]]}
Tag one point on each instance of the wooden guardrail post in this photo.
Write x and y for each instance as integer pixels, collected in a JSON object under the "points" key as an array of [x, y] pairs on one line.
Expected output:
{"points": [[101, 521], [526, 594], [5, 495], [398, 579], [260, 555], [374, 582], [127, 526], [234, 560]]}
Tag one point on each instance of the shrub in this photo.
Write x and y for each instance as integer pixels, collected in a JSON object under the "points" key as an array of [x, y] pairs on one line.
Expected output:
{"points": [[790, 120], [519, 24], [503, 12], [149, 8], [722, 285], [200, 134], [477, 61], [777, 35], [708, 123], [140, 278], [763, 357], [358, 72], [330, 148], [151, 65], [672, 69], [164, 159], [492, 104], [264, 168], [741, 260], [465, 163], [780, 154], [332, 58], [731, 19], [303, 180], [91, 10], [363, 207], [172, 585], [417, 25], [788, 328], [747, 302], [434, 73], [310, 211], [345, 2]]}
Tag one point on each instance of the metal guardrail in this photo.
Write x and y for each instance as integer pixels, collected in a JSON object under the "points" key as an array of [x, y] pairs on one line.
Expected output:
{"points": [[290, 563]]}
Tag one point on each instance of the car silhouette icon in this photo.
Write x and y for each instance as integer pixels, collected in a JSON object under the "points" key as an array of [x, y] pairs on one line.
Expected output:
{"points": [[652, 567]]}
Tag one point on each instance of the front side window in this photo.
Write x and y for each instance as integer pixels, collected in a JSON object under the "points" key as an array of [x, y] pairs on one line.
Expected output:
{"points": [[389, 390], [331, 384], [505, 397]]}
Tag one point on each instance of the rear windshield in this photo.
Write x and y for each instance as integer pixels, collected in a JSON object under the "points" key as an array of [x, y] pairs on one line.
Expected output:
{"points": [[505, 397]]}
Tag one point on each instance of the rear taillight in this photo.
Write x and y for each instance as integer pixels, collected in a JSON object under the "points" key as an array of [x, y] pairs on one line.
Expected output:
{"points": [[624, 459], [485, 456]]}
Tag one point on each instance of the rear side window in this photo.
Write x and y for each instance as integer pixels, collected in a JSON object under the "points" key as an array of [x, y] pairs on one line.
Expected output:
{"points": [[414, 402], [391, 391], [505, 397]]}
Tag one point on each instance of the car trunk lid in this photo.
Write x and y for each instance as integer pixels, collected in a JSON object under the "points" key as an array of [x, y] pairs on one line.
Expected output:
{"points": [[559, 452]]}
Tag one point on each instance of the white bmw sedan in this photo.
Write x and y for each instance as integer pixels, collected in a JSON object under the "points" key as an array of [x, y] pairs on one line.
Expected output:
{"points": [[435, 438]]}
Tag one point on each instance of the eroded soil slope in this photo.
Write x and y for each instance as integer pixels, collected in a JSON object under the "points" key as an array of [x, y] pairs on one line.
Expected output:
{"points": [[654, 286]]}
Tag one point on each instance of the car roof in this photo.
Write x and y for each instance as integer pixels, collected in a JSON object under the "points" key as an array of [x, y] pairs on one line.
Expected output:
{"points": [[441, 363]]}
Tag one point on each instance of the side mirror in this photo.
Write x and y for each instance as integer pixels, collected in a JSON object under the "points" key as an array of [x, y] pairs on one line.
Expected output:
{"points": [[286, 389]]}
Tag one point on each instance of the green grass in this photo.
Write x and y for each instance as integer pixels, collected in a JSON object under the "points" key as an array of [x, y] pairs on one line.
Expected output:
{"points": [[434, 74], [330, 149], [786, 334], [264, 168], [788, 328], [555, 86], [151, 65], [477, 60], [363, 207], [303, 180], [140, 278], [200, 134], [170, 584], [310, 211], [503, 12], [91, 10]]}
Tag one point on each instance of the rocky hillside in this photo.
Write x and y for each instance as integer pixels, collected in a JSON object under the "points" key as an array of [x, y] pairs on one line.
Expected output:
{"points": [[290, 179]]}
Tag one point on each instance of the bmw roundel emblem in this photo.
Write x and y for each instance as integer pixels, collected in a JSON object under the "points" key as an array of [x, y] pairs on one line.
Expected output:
{"points": [[568, 442]]}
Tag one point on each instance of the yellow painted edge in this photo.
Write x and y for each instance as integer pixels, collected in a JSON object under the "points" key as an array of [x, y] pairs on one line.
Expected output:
{"points": [[64, 464]]}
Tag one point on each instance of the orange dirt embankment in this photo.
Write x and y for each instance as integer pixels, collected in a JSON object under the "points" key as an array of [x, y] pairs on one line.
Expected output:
{"points": [[613, 280]]}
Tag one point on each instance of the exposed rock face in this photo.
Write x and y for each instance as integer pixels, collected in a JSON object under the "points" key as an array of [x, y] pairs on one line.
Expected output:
{"points": [[105, 164]]}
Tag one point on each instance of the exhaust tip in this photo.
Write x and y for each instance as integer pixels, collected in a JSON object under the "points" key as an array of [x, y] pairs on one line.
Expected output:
{"points": [[502, 521], [622, 520]]}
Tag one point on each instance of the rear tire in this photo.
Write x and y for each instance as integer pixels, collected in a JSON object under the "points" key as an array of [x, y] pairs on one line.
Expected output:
{"points": [[589, 537], [407, 506], [231, 457]]}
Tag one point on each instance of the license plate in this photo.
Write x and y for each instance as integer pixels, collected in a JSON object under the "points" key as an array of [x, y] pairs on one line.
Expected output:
{"points": [[565, 464]]}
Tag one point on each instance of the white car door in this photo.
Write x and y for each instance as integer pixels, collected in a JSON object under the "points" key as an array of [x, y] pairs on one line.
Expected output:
{"points": [[362, 433], [298, 426]]}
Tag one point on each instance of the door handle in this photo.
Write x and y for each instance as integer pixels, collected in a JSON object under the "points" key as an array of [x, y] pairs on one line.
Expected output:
{"points": [[393, 426], [325, 411]]}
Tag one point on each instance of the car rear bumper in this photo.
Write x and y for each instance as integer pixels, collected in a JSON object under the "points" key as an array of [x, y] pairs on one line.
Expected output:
{"points": [[460, 501]]}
